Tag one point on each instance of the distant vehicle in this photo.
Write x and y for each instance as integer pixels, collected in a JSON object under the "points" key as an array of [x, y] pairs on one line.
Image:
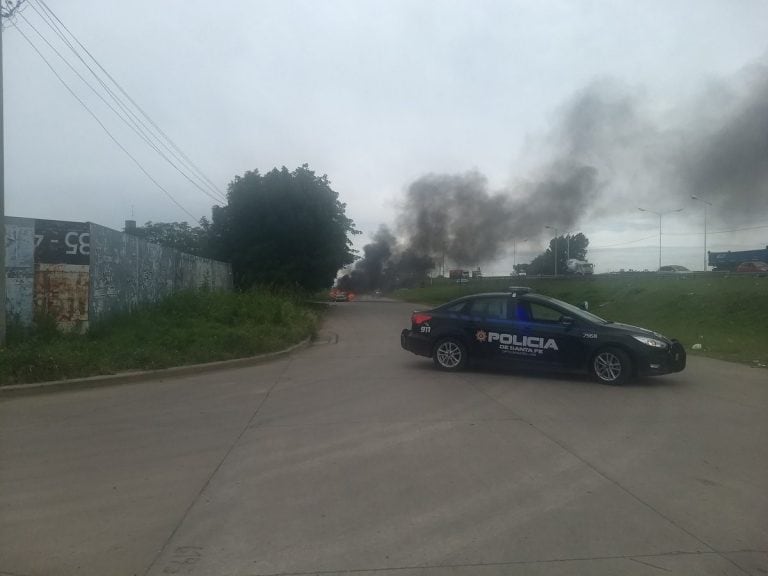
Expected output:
{"points": [[340, 295], [729, 261], [459, 275], [579, 267], [527, 330], [753, 267], [673, 269]]}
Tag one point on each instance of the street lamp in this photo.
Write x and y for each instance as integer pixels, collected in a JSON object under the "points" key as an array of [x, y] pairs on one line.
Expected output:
{"points": [[568, 245], [660, 214], [514, 252], [555, 229], [706, 206]]}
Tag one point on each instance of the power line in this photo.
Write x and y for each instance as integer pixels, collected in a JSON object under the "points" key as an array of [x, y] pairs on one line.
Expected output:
{"points": [[740, 229], [181, 153], [130, 119], [148, 175], [623, 243], [681, 234]]}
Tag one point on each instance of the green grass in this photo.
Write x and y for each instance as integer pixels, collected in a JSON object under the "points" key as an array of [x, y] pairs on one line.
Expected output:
{"points": [[727, 315], [187, 328]]}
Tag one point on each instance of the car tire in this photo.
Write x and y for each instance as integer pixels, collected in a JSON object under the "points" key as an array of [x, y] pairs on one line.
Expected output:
{"points": [[611, 366], [450, 355]]}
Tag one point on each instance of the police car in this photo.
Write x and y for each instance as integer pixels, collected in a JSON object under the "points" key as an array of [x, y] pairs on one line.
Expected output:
{"points": [[529, 330]]}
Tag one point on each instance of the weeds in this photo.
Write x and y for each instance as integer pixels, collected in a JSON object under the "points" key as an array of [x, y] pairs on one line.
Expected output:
{"points": [[187, 328]]}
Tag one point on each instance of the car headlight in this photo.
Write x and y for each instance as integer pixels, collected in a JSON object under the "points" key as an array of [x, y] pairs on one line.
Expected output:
{"points": [[652, 342]]}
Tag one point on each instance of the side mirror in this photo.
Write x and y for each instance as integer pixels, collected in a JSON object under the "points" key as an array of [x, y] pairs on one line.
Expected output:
{"points": [[567, 320], [584, 305]]}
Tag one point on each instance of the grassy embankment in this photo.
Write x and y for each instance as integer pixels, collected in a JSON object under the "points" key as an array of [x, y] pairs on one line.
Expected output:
{"points": [[727, 315], [187, 328]]}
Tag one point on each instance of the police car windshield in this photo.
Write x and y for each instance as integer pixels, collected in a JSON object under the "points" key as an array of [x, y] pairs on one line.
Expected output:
{"points": [[578, 312]]}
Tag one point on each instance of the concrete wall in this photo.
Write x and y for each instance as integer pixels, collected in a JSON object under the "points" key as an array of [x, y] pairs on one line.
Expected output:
{"points": [[80, 272], [126, 270], [20, 268]]}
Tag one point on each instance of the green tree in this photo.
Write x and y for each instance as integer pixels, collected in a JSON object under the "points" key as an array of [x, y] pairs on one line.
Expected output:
{"points": [[178, 235], [568, 247], [283, 229]]}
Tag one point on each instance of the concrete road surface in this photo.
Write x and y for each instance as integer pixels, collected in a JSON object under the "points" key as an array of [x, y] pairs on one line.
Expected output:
{"points": [[355, 457]]}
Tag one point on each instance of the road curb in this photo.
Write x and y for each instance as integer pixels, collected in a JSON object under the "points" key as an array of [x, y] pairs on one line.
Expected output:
{"points": [[144, 375]]}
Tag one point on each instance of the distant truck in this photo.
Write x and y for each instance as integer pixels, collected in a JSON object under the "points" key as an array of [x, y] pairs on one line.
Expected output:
{"points": [[458, 274], [579, 267], [729, 261]]}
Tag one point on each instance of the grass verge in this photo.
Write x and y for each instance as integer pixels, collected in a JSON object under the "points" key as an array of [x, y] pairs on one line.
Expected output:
{"points": [[726, 314], [186, 328]]}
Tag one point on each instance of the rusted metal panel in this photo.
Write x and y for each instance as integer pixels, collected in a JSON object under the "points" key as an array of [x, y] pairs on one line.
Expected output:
{"points": [[62, 291]]}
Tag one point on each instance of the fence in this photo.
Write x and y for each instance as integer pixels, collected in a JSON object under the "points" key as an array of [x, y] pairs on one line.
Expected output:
{"points": [[80, 272]]}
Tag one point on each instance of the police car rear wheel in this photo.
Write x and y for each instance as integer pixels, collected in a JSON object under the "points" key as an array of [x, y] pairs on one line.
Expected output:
{"points": [[450, 354], [612, 366]]}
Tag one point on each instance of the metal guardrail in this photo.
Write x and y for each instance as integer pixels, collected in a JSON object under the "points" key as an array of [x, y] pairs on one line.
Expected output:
{"points": [[625, 274]]}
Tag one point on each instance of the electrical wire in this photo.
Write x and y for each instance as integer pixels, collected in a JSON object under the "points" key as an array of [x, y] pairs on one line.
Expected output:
{"points": [[170, 141], [130, 119], [100, 123], [623, 243]]}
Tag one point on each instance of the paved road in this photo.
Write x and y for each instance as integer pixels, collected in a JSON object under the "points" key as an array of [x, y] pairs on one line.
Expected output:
{"points": [[355, 457]]}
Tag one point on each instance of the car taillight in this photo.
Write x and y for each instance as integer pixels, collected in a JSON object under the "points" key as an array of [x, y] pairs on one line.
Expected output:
{"points": [[419, 318]]}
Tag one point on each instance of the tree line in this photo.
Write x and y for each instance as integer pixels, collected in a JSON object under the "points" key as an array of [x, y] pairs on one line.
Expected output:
{"points": [[288, 229]]}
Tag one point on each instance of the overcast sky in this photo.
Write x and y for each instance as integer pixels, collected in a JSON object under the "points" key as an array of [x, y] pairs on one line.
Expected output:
{"points": [[376, 94]]}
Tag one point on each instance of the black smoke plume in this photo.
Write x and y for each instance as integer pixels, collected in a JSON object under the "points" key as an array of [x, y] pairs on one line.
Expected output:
{"points": [[386, 265], [607, 155], [729, 164]]}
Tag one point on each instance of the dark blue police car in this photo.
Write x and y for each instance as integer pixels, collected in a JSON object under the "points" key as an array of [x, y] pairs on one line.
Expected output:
{"points": [[526, 329]]}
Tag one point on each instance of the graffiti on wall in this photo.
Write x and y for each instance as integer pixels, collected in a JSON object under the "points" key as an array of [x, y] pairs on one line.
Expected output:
{"points": [[20, 269], [127, 270]]}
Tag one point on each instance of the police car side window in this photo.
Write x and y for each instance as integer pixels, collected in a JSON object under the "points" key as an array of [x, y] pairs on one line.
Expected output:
{"points": [[521, 312], [493, 308], [541, 313], [457, 307]]}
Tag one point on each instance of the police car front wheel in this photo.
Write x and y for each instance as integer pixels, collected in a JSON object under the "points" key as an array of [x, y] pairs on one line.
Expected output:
{"points": [[450, 354], [612, 366]]}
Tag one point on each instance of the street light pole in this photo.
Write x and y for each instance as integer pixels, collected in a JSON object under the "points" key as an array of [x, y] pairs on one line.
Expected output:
{"points": [[514, 252], [706, 206], [555, 229], [660, 214]]}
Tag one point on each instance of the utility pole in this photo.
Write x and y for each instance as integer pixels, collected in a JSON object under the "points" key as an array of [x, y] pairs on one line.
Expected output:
{"points": [[556, 255], [706, 205], [2, 191], [660, 214], [7, 9]]}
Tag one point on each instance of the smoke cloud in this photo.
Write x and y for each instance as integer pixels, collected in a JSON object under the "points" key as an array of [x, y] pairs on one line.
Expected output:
{"points": [[607, 155], [730, 164]]}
